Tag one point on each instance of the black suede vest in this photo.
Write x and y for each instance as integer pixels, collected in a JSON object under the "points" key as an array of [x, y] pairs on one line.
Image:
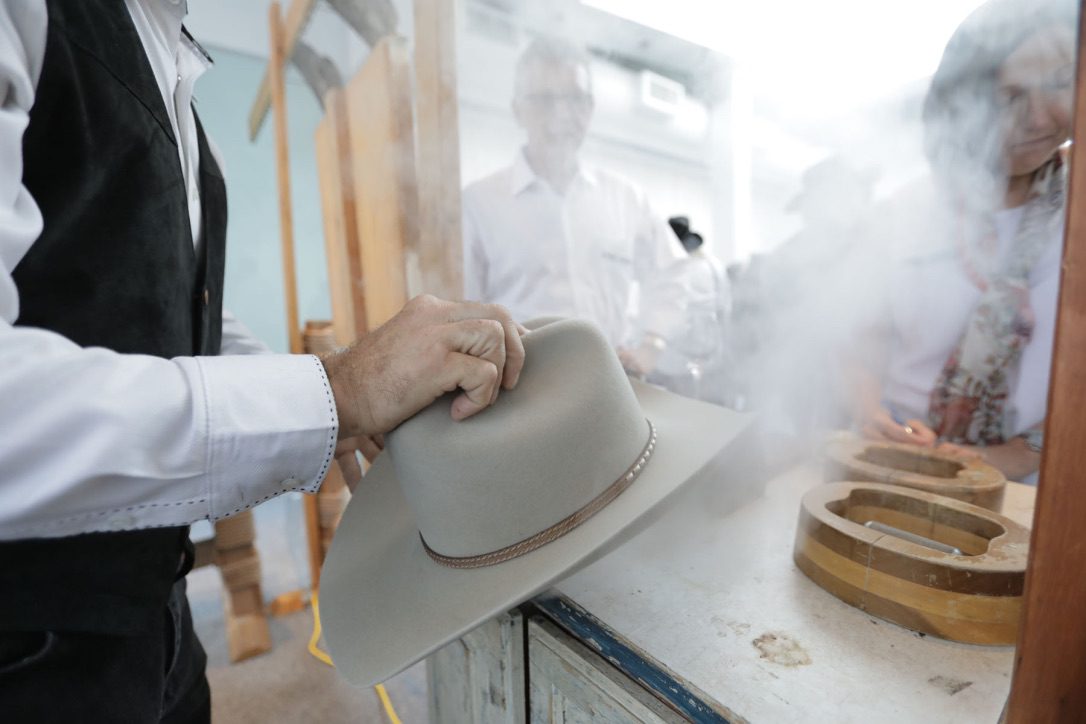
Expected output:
{"points": [[114, 267]]}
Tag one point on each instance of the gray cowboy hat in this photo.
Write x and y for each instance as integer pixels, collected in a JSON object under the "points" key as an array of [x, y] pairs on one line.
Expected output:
{"points": [[459, 521]]}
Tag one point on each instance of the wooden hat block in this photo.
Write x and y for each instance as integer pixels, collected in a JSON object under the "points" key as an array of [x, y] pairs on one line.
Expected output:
{"points": [[973, 481], [975, 597]]}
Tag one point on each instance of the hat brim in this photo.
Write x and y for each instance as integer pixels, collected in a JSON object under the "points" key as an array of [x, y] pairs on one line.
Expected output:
{"points": [[386, 605]]}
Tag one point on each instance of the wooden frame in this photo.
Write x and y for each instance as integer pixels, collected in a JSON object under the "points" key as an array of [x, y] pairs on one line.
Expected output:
{"points": [[1049, 683], [438, 148], [382, 152], [345, 278], [292, 25]]}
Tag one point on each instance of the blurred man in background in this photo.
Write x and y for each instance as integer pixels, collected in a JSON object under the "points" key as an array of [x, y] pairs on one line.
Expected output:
{"points": [[549, 235]]}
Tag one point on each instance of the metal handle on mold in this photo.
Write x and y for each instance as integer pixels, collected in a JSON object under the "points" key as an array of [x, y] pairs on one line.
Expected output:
{"points": [[912, 537]]}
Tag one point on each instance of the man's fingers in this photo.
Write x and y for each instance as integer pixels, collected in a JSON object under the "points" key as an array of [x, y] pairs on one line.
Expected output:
{"points": [[514, 354], [370, 447], [348, 465], [482, 338], [477, 378], [346, 446], [512, 351], [514, 347]]}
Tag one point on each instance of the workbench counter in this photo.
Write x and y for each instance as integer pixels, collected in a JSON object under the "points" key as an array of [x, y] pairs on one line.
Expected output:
{"points": [[715, 606]]}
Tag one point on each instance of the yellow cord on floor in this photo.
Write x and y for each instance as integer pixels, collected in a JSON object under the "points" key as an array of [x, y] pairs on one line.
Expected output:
{"points": [[322, 656]]}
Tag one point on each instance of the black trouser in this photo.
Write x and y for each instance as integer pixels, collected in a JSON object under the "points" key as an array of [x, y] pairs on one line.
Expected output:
{"points": [[56, 676]]}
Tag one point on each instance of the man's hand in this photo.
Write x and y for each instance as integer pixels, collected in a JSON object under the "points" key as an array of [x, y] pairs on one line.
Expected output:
{"points": [[429, 348], [370, 447]]}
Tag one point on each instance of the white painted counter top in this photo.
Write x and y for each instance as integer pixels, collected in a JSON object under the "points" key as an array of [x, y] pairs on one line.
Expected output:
{"points": [[719, 602]]}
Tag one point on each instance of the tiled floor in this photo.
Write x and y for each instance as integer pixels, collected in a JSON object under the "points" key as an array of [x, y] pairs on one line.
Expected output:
{"points": [[288, 684]]}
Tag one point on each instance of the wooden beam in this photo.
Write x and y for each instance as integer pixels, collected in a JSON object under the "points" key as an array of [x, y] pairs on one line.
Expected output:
{"points": [[235, 555], [382, 155], [282, 164], [323, 509], [345, 274], [293, 26], [1050, 665], [438, 149]]}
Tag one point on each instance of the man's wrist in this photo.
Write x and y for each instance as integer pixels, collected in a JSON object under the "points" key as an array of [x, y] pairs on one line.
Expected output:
{"points": [[341, 394]]}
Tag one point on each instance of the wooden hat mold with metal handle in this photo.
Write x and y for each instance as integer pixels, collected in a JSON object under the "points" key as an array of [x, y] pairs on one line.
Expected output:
{"points": [[898, 568], [972, 481]]}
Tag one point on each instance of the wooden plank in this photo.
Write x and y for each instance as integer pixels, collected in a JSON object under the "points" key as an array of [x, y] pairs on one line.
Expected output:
{"points": [[203, 553], [293, 26], [383, 170], [314, 549], [282, 166], [317, 339], [330, 181], [340, 225], [480, 677], [331, 499], [438, 136], [1050, 665], [247, 634], [680, 694], [568, 683], [235, 554]]}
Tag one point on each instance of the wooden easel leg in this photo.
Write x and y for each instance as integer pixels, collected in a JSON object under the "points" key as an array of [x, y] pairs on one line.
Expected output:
{"points": [[323, 510], [331, 500], [322, 514], [247, 632]]}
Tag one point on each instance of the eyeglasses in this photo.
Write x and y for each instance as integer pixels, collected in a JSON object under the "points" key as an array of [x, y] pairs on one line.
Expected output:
{"points": [[549, 101]]}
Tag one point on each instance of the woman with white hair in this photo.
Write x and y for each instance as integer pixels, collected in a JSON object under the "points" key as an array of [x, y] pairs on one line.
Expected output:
{"points": [[963, 348]]}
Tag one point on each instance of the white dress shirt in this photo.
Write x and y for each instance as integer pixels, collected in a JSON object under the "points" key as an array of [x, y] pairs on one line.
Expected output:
{"points": [[94, 440], [595, 252]]}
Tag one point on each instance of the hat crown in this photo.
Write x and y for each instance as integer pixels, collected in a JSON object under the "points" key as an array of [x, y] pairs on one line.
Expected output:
{"points": [[543, 451]]}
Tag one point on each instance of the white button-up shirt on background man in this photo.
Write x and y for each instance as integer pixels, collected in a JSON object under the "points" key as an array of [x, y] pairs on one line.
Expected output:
{"points": [[94, 440], [596, 252]]}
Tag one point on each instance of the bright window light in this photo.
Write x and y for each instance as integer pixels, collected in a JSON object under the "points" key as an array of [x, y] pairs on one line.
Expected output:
{"points": [[828, 52]]}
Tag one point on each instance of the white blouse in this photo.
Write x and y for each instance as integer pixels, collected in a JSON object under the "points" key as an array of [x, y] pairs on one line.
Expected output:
{"points": [[930, 300]]}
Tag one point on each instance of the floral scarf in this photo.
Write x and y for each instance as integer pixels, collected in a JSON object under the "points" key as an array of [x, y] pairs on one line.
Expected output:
{"points": [[968, 401]]}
